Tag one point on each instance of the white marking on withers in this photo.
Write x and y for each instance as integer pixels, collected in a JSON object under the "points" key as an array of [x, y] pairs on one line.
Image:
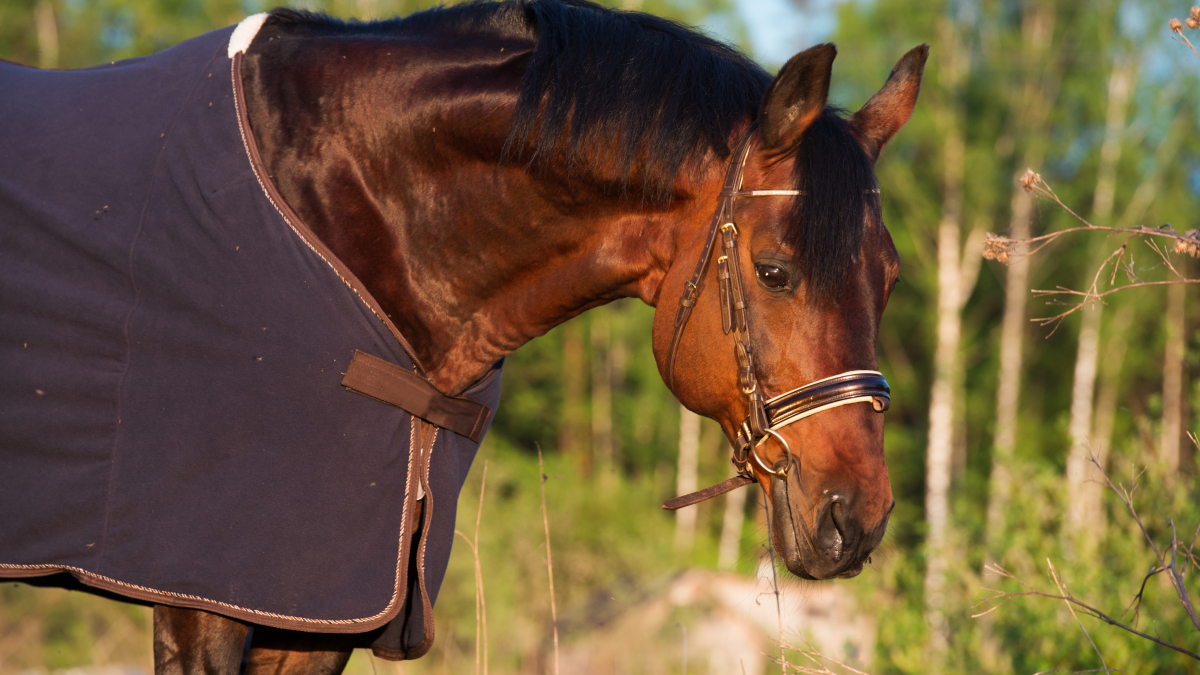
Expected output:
{"points": [[244, 34]]}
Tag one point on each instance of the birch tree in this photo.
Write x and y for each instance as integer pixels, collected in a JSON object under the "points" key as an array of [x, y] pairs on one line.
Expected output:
{"points": [[1032, 106], [687, 477], [953, 291], [1170, 445], [1079, 514]]}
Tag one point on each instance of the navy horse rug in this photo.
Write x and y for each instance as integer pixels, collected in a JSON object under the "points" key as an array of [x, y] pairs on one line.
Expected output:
{"points": [[199, 405]]}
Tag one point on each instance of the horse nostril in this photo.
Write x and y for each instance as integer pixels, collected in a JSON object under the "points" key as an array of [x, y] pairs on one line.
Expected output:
{"points": [[838, 530]]}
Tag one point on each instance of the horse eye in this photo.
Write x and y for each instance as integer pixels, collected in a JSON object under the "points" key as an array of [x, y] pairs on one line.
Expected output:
{"points": [[771, 276]]}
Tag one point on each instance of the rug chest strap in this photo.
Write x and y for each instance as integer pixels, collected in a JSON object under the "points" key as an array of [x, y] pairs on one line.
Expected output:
{"points": [[372, 376]]}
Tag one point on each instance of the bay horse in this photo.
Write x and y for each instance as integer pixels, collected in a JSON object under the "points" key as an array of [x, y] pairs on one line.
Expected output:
{"points": [[491, 170]]}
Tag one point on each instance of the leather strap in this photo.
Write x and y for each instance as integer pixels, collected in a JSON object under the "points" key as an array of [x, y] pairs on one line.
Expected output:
{"points": [[848, 387], [691, 291], [707, 493], [387, 382]]}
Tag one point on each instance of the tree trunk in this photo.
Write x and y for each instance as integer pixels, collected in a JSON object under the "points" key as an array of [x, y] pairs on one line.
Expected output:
{"points": [[1092, 494], [939, 450], [1080, 476], [572, 439], [686, 477], [1008, 389], [602, 441], [1172, 395], [731, 526], [1040, 88], [47, 34]]}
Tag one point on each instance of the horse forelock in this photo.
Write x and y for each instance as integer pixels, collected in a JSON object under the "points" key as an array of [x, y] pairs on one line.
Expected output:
{"points": [[839, 196]]}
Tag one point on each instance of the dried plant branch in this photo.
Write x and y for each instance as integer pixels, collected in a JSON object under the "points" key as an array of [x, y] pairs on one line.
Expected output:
{"points": [[783, 662], [1187, 42], [1006, 250], [1192, 22], [1175, 575], [1173, 560], [481, 637], [816, 657], [1062, 589], [549, 559], [1089, 670], [995, 569], [478, 592]]}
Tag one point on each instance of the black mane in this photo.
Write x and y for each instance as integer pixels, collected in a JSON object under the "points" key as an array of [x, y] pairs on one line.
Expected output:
{"points": [[649, 93], [629, 100]]}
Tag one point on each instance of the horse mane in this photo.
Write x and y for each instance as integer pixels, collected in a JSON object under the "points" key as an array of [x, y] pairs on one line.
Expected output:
{"points": [[629, 100]]}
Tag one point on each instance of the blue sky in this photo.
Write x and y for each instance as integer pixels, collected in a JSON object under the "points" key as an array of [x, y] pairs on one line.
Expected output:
{"points": [[778, 29]]}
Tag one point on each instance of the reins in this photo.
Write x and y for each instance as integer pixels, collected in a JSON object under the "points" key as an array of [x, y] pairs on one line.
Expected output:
{"points": [[765, 417]]}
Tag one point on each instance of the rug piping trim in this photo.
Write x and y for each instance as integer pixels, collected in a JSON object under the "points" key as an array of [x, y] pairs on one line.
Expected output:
{"points": [[296, 224]]}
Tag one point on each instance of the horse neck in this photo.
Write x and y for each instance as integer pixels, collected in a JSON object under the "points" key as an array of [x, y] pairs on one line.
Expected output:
{"points": [[392, 157]]}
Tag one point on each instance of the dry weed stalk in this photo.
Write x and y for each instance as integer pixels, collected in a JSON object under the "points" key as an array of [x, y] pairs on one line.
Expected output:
{"points": [[1005, 250], [819, 660], [480, 603], [1173, 560], [1193, 22], [783, 662], [542, 477]]}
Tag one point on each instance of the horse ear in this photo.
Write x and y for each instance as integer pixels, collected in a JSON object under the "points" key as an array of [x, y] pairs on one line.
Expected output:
{"points": [[890, 108], [796, 97]]}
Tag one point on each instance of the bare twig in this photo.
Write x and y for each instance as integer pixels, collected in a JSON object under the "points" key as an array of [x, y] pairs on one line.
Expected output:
{"points": [[812, 654], [478, 622], [1089, 670], [480, 603], [479, 571], [1174, 567], [1006, 250], [1005, 596], [783, 662], [1175, 575], [1176, 27], [549, 560], [1062, 589]]}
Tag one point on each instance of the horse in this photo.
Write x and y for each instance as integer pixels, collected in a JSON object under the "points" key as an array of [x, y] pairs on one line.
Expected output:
{"points": [[481, 173]]}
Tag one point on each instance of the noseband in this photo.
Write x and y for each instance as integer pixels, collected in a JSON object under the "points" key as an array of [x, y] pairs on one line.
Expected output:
{"points": [[766, 416]]}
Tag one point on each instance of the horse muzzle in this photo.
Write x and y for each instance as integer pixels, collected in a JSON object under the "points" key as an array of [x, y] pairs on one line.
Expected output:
{"points": [[823, 536]]}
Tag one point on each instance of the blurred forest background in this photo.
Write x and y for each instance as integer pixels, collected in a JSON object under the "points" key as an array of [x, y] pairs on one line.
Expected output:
{"points": [[989, 432]]}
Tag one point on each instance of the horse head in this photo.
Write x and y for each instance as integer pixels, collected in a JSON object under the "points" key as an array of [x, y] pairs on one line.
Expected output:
{"points": [[781, 350]]}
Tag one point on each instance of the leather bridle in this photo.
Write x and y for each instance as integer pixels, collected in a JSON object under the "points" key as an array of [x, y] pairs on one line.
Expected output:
{"points": [[766, 416]]}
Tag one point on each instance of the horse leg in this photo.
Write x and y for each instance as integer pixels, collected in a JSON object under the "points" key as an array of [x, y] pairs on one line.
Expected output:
{"points": [[193, 642], [288, 652]]}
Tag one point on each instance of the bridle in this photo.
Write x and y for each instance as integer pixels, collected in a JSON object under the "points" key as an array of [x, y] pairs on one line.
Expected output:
{"points": [[766, 416]]}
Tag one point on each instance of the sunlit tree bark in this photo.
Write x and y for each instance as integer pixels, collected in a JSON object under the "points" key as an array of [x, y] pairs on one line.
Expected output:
{"points": [[1038, 90], [687, 476], [1171, 434], [572, 437], [731, 526], [47, 34], [951, 296], [1106, 408], [602, 403], [1080, 517]]}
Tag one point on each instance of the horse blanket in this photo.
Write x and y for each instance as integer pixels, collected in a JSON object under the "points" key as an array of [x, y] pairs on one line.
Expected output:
{"points": [[174, 427]]}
